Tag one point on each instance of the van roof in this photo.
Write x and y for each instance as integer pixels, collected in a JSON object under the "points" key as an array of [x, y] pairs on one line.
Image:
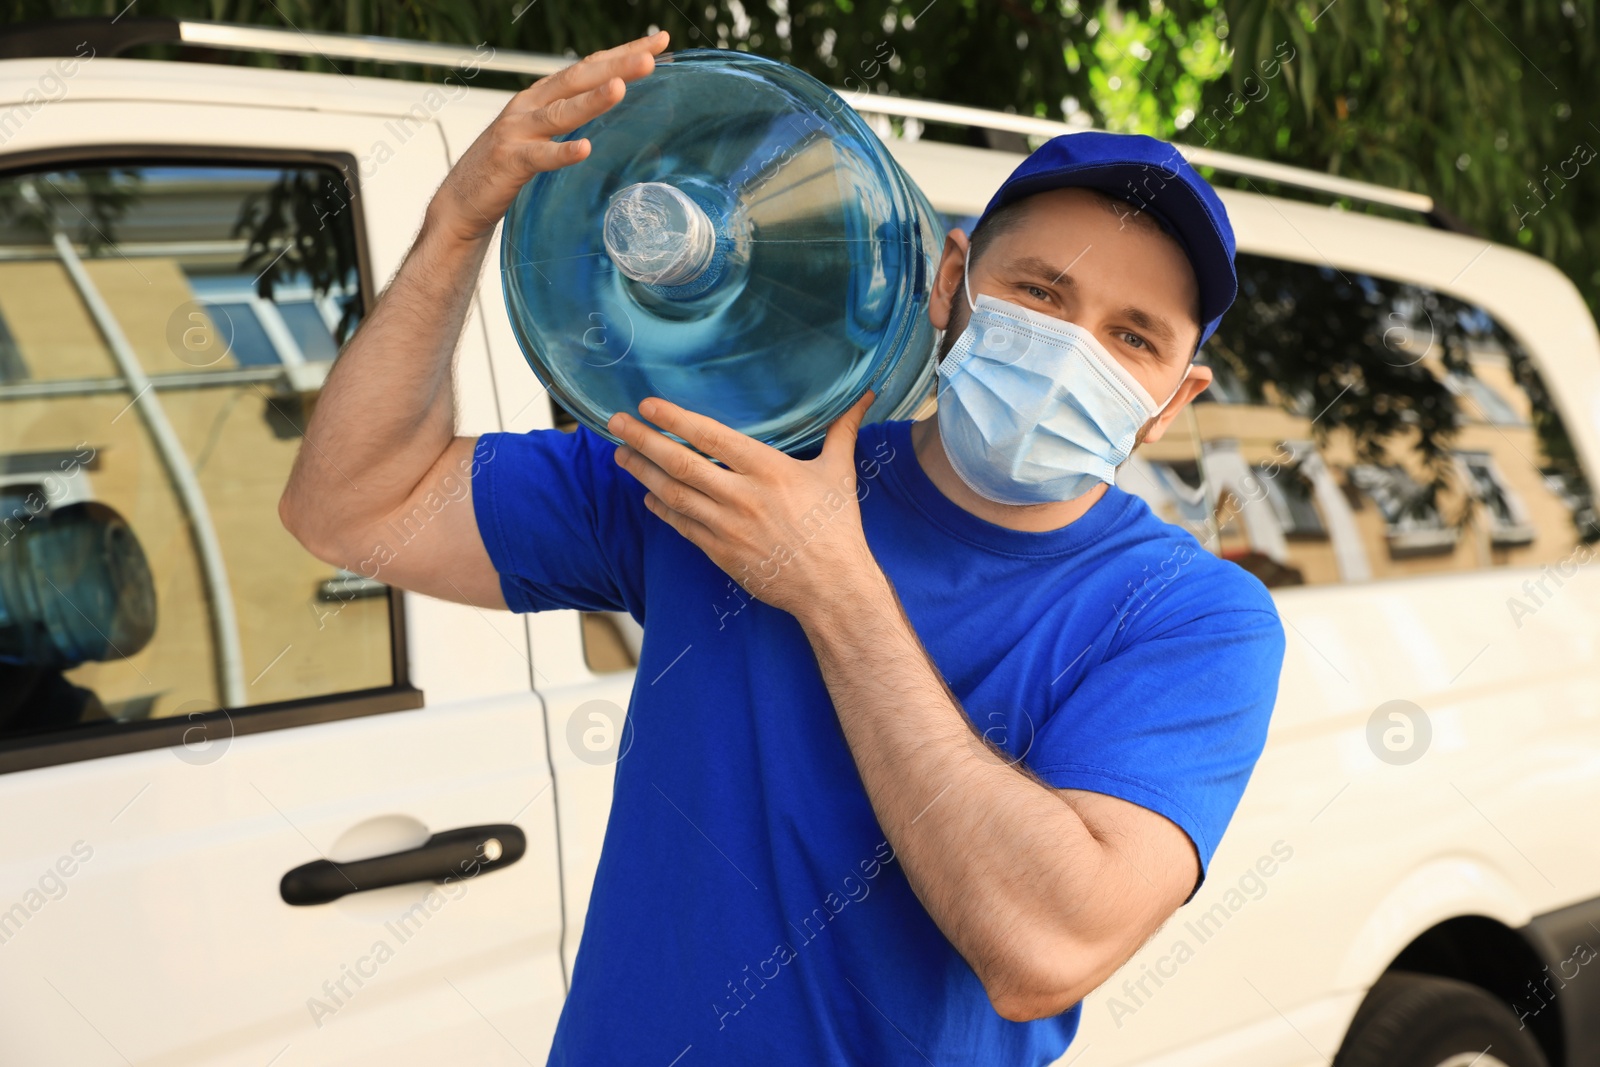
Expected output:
{"points": [[109, 36]]}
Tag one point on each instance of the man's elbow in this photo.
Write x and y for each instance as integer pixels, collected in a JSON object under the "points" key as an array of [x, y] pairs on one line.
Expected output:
{"points": [[298, 520], [1030, 1005], [1041, 984]]}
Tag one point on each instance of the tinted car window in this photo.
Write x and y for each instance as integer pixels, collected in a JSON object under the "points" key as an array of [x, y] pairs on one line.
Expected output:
{"points": [[157, 364], [1363, 428]]}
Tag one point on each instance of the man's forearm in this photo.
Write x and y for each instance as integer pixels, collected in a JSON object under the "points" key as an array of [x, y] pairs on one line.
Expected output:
{"points": [[387, 411], [1004, 866]]}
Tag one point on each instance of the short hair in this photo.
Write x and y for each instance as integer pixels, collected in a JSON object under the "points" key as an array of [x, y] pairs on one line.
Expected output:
{"points": [[1001, 221]]}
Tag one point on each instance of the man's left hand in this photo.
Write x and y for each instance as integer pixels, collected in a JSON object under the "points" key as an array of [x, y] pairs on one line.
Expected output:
{"points": [[787, 530]]}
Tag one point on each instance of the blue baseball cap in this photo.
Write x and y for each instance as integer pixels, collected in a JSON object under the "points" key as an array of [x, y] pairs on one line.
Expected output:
{"points": [[1152, 176]]}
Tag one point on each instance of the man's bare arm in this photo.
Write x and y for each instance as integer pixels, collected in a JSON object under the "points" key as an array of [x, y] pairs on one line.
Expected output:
{"points": [[383, 437], [1044, 891], [381, 452]]}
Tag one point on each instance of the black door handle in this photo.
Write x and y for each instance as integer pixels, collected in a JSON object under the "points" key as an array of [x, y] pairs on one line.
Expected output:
{"points": [[460, 854]]}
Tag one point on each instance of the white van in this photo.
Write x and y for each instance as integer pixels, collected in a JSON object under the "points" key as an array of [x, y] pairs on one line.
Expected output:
{"points": [[207, 737]]}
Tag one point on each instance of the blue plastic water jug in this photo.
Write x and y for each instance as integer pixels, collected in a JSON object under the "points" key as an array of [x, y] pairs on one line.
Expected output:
{"points": [[75, 586], [738, 242]]}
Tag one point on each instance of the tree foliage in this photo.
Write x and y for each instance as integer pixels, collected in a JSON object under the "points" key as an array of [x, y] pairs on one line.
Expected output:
{"points": [[1490, 106]]}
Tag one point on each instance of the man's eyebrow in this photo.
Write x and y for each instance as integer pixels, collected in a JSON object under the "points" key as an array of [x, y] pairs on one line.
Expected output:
{"points": [[1154, 324], [1040, 268]]}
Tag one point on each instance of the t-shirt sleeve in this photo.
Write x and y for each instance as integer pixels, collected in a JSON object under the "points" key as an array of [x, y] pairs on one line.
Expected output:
{"points": [[563, 524], [1173, 722]]}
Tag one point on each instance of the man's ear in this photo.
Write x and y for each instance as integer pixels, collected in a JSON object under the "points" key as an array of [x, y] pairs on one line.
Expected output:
{"points": [[947, 282], [1191, 387]]}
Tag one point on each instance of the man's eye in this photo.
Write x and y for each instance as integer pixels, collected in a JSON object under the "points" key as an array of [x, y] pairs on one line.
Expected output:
{"points": [[1036, 292], [1134, 340]]}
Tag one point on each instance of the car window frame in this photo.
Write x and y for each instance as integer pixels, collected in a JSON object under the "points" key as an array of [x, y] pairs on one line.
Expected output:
{"points": [[24, 752]]}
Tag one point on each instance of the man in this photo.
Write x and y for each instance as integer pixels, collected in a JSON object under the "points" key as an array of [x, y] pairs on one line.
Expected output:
{"points": [[980, 719]]}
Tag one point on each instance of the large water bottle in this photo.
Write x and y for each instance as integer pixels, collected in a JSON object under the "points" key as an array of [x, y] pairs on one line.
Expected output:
{"points": [[738, 242], [74, 586]]}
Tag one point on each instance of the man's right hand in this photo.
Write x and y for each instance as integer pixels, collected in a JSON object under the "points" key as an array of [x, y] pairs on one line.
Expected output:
{"points": [[518, 143]]}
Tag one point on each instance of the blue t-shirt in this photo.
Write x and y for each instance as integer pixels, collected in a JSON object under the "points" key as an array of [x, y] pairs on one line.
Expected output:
{"points": [[748, 907]]}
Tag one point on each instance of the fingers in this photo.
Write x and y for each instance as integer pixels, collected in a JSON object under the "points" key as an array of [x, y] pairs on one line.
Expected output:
{"points": [[695, 531], [517, 145], [841, 438], [651, 43], [677, 462], [565, 101], [530, 143], [735, 450], [629, 62], [538, 156], [678, 496], [570, 112]]}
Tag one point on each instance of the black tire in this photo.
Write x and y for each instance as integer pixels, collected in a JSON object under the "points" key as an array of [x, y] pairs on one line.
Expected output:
{"points": [[1420, 1020]]}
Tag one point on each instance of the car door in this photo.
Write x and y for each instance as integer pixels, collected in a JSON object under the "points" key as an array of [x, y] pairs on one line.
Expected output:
{"points": [[191, 706], [583, 662]]}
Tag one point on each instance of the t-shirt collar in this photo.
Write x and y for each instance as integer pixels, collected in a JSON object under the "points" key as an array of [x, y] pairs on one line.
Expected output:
{"points": [[905, 475]]}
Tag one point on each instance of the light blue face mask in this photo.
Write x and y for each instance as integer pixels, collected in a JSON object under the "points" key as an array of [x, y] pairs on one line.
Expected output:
{"points": [[1032, 408]]}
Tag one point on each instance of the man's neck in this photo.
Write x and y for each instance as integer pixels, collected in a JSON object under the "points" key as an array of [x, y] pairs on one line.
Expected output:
{"points": [[1034, 518]]}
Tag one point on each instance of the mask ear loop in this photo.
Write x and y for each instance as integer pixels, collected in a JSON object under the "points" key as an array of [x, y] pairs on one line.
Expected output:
{"points": [[966, 277], [1172, 394], [966, 287]]}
